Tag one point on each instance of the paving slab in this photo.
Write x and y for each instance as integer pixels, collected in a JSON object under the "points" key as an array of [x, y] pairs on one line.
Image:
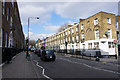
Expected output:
{"points": [[19, 68]]}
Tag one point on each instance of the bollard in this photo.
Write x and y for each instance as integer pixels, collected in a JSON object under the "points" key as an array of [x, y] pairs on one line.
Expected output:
{"points": [[97, 58]]}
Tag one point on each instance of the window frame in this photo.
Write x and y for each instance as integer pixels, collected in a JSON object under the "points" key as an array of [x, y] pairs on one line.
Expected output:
{"points": [[8, 10], [1, 37], [89, 45], [77, 38], [6, 38], [72, 30], [96, 45], [108, 20], [82, 36], [111, 45], [95, 21], [97, 34], [3, 7], [82, 26], [109, 33]]}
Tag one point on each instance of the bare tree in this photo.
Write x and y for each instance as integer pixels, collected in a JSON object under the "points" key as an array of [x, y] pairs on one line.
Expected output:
{"points": [[32, 42], [63, 27]]}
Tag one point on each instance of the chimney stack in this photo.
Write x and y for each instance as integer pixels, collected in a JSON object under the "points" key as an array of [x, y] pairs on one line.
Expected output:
{"points": [[69, 26], [80, 20]]}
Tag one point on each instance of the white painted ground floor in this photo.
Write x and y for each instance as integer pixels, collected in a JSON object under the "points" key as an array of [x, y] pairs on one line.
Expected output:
{"points": [[105, 46]]}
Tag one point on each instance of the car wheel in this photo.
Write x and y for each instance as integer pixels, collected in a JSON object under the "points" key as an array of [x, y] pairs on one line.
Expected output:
{"points": [[53, 59], [43, 59]]}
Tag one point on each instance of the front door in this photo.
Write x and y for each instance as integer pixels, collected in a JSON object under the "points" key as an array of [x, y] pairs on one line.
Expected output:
{"points": [[119, 49]]}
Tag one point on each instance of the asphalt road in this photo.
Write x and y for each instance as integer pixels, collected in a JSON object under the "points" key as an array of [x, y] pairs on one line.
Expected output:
{"points": [[67, 67]]}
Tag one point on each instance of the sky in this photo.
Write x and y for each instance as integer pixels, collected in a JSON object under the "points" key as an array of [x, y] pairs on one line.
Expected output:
{"points": [[55, 14]]}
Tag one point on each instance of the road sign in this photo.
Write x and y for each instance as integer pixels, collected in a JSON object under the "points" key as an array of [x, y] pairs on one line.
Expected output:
{"points": [[115, 41]]}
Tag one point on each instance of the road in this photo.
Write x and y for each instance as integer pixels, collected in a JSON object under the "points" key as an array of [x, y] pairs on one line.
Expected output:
{"points": [[67, 67]]}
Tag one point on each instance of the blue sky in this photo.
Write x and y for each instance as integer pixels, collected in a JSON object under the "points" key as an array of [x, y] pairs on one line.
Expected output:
{"points": [[55, 14]]}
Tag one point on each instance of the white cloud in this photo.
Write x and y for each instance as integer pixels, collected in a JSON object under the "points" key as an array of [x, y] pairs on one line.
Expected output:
{"points": [[73, 10], [84, 9], [30, 29], [34, 36], [30, 10], [67, 0], [52, 28]]}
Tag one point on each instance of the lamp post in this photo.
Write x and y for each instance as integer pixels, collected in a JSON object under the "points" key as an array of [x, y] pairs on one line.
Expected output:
{"points": [[28, 33]]}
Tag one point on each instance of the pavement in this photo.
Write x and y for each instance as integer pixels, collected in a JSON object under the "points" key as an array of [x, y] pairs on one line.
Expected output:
{"points": [[111, 60], [19, 68]]}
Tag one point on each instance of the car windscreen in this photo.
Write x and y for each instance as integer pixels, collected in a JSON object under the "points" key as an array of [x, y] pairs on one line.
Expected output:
{"points": [[49, 52]]}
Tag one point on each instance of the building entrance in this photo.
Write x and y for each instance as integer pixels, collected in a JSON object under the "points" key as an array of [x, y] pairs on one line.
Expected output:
{"points": [[119, 49]]}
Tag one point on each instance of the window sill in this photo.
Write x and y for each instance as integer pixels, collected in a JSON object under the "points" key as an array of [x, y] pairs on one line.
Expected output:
{"points": [[109, 23]]}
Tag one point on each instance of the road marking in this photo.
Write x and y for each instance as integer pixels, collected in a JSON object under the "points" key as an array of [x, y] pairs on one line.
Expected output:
{"points": [[2, 64], [13, 57], [43, 72], [89, 66], [101, 62]]}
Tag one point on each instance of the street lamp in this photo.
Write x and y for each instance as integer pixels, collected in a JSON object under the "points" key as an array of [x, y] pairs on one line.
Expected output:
{"points": [[28, 32]]}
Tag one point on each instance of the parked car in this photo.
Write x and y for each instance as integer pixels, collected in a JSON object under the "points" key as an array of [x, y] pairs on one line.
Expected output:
{"points": [[32, 49], [36, 51], [48, 55]]}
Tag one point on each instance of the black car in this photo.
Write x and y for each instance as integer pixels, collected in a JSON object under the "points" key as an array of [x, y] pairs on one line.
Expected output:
{"points": [[48, 55]]}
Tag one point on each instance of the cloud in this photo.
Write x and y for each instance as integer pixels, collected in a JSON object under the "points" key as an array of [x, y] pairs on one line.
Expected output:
{"points": [[73, 10], [52, 28], [34, 36], [30, 29], [67, 0], [30, 10], [70, 10], [84, 9]]}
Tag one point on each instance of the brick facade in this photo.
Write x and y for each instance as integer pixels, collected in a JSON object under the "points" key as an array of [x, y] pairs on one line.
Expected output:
{"points": [[95, 32], [13, 36]]}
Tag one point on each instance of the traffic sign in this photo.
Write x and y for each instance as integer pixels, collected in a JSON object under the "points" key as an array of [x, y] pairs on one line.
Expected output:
{"points": [[115, 41]]}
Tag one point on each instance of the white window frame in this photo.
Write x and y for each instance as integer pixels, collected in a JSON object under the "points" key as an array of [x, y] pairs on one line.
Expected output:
{"points": [[117, 25], [77, 29], [66, 33], [3, 7], [96, 45], [8, 13], [97, 34], [59, 35], [82, 26], [83, 46], [108, 20], [73, 30], [69, 39], [89, 45], [77, 38], [110, 33], [73, 39], [61, 40], [111, 45], [1, 37], [11, 21], [96, 21], [6, 36], [66, 39], [82, 36], [69, 31], [12, 3], [63, 34]]}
